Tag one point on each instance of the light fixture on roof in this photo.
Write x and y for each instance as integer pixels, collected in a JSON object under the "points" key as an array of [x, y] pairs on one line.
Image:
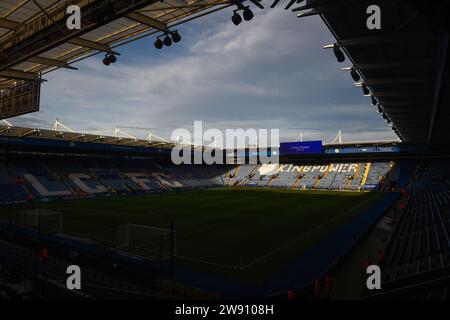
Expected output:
{"points": [[385, 117], [374, 101], [355, 75], [248, 14], [158, 43], [365, 90], [380, 109], [109, 58], [112, 58], [236, 18], [167, 40], [176, 36], [338, 53]]}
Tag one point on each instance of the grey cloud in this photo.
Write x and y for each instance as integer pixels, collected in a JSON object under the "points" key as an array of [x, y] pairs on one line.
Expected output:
{"points": [[270, 72]]}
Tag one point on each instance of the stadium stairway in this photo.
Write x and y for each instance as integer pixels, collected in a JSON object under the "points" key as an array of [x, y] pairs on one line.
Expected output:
{"points": [[321, 179], [297, 181], [232, 174], [365, 175], [250, 173], [355, 176]]}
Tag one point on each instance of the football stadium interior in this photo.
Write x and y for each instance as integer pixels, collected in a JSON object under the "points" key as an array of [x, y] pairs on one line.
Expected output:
{"points": [[144, 228]]}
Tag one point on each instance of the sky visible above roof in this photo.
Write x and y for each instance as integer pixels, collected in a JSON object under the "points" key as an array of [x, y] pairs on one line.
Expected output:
{"points": [[269, 73]]}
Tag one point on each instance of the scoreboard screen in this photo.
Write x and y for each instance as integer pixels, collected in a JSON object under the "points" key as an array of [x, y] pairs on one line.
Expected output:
{"points": [[20, 99], [307, 147]]}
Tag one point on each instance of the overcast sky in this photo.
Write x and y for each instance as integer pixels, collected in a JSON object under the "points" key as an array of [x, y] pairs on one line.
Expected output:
{"points": [[271, 72]]}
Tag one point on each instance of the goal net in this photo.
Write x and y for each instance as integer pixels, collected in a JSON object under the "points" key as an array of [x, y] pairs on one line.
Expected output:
{"points": [[154, 243], [44, 221]]}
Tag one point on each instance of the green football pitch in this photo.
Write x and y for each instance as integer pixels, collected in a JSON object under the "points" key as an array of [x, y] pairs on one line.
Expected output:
{"points": [[244, 234]]}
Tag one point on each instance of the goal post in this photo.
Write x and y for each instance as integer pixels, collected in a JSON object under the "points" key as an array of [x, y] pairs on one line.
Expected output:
{"points": [[156, 243], [43, 221]]}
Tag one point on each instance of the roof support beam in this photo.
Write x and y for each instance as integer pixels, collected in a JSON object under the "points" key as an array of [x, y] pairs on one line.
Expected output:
{"points": [[9, 24], [29, 133], [393, 81], [90, 44], [95, 14], [401, 94], [405, 111], [378, 39], [138, 17], [312, 12], [5, 86], [394, 64], [406, 103], [404, 120], [412, 125], [19, 75], [51, 62]]}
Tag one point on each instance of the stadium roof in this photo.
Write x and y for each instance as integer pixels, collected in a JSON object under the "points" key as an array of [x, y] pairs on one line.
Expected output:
{"points": [[403, 64], [65, 135], [17, 132], [34, 38]]}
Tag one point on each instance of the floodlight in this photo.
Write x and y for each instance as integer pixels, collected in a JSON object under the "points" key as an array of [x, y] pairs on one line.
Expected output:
{"points": [[380, 109], [176, 36], [248, 14], [355, 75], [236, 18], [366, 90], [374, 101], [106, 61], [158, 43], [167, 41], [112, 58], [338, 53]]}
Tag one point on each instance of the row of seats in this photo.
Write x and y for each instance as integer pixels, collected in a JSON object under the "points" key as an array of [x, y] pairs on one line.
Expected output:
{"points": [[421, 241], [335, 176], [33, 177], [43, 177]]}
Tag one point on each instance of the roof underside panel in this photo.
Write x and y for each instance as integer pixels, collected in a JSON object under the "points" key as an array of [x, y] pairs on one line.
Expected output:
{"points": [[26, 21], [402, 64]]}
